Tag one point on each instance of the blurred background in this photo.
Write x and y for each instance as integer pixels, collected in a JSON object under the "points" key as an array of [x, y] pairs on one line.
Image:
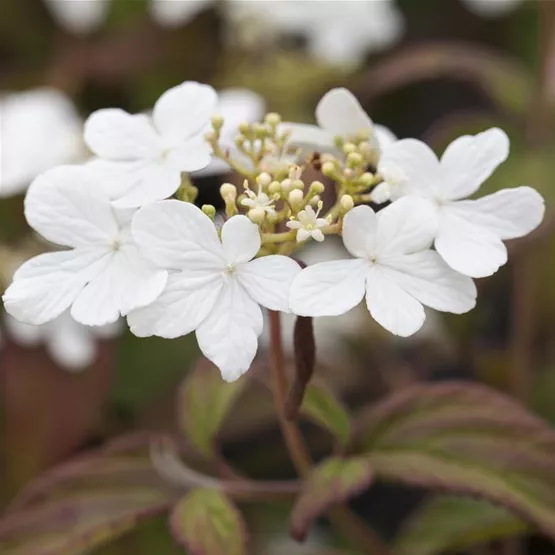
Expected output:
{"points": [[431, 69]]}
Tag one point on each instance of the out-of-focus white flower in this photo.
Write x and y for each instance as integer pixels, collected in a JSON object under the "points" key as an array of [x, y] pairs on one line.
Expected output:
{"points": [[338, 114], [337, 31], [141, 158], [79, 16], [215, 287], [394, 268], [102, 276], [470, 232], [174, 13], [492, 8], [39, 129], [308, 225], [71, 345]]}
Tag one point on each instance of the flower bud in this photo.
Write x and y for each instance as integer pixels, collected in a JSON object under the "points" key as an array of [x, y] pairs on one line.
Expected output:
{"points": [[240, 141], [298, 184], [329, 169], [355, 159], [365, 147], [348, 173], [228, 192], [209, 210], [217, 121], [347, 203], [339, 141], [210, 136], [315, 201], [367, 179], [264, 179], [274, 188], [259, 130], [272, 119], [349, 147], [296, 198], [286, 185], [244, 128], [317, 187], [295, 172], [256, 215]]}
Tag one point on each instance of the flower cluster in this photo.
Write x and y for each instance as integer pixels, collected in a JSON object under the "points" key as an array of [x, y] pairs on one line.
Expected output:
{"points": [[134, 244]]}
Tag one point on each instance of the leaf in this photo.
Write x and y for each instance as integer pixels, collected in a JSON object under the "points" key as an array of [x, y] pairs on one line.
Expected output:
{"points": [[206, 523], [204, 402], [449, 523], [333, 481], [468, 439], [321, 406]]}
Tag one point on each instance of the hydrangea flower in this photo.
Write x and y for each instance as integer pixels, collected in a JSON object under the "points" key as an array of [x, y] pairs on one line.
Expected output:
{"points": [[338, 114], [470, 232], [28, 146], [215, 288], [393, 268], [141, 158], [308, 224], [101, 276], [70, 344]]}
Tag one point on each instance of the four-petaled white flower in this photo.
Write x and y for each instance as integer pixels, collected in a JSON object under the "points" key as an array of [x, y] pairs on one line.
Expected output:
{"points": [[70, 344], [338, 114], [470, 232], [308, 224], [28, 146], [259, 201], [394, 268], [215, 287], [141, 158], [102, 276]]}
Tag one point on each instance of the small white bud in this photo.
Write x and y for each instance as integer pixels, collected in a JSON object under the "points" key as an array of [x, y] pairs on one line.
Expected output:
{"points": [[244, 128], [317, 187], [257, 215], [274, 188], [210, 136], [217, 121], [286, 185], [228, 192], [328, 169], [355, 159], [347, 203], [315, 201], [295, 198], [209, 210], [272, 119], [367, 179], [264, 179], [349, 147], [381, 194]]}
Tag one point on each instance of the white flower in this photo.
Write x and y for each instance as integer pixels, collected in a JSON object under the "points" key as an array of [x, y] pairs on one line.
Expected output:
{"points": [[79, 16], [339, 114], [308, 225], [492, 8], [102, 275], [235, 106], [28, 144], [471, 232], [174, 13], [260, 201], [141, 158], [394, 268], [71, 345], [215, 287]]}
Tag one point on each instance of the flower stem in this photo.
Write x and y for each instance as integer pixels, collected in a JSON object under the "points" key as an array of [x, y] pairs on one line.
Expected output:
{"points": [[341, 517]]}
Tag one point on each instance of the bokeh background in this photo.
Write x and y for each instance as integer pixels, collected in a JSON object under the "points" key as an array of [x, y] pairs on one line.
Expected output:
{"points": [[431, 69]]}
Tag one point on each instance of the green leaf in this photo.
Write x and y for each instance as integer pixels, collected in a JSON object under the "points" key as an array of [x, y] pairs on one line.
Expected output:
{"points": [[206, 523], [321, 406], [204, 402], [332, 481], [449, 523], [467, 439]]}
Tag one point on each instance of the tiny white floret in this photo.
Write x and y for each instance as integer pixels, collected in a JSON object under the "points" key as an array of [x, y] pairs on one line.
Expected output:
{"points": [[308, 224]]}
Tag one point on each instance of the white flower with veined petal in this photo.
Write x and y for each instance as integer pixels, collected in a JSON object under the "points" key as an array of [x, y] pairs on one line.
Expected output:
{"points": [[470, 232], [103, 274], [338, 114], [215, 287], [394, 268], [141, 158], [308, 224]]}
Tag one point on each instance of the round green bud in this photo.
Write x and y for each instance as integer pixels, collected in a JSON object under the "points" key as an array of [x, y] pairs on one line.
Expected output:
{"points": [[209, 210]]}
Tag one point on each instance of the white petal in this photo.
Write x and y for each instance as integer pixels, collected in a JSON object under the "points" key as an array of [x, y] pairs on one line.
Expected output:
{"points": [[407, 225], [509, 213], [79, 16], [48, 284], [25, 335], [359, 231], [150, 183], [190, 156], [65, 208], [240, 240], [340, 113], [236, 106], [428, 278], [470, 160], [317, 235], [127, 283], [310, 138], [184, 111], [229, 335], [302, 235], [384, 136], [328, 288], [492, 8], [174, 13], [116, 135], [468, 248], [268, 280], [185, 302], [382, 193], [177, 235], [415, 162], [390, 305]]}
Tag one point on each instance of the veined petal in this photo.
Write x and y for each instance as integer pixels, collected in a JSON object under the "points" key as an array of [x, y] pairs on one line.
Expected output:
{"points": [[184, 111], [329, 288], [470, 160], [128, 282], [428, 278], [229, 335], [407, 225], [64, 207], [177, 235], [468, 248], [268, 280], [340, 113], [390, 305], [359, 231], [185, 302], [240, 240], [509, 213], [116, 135], [48, 284]]}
